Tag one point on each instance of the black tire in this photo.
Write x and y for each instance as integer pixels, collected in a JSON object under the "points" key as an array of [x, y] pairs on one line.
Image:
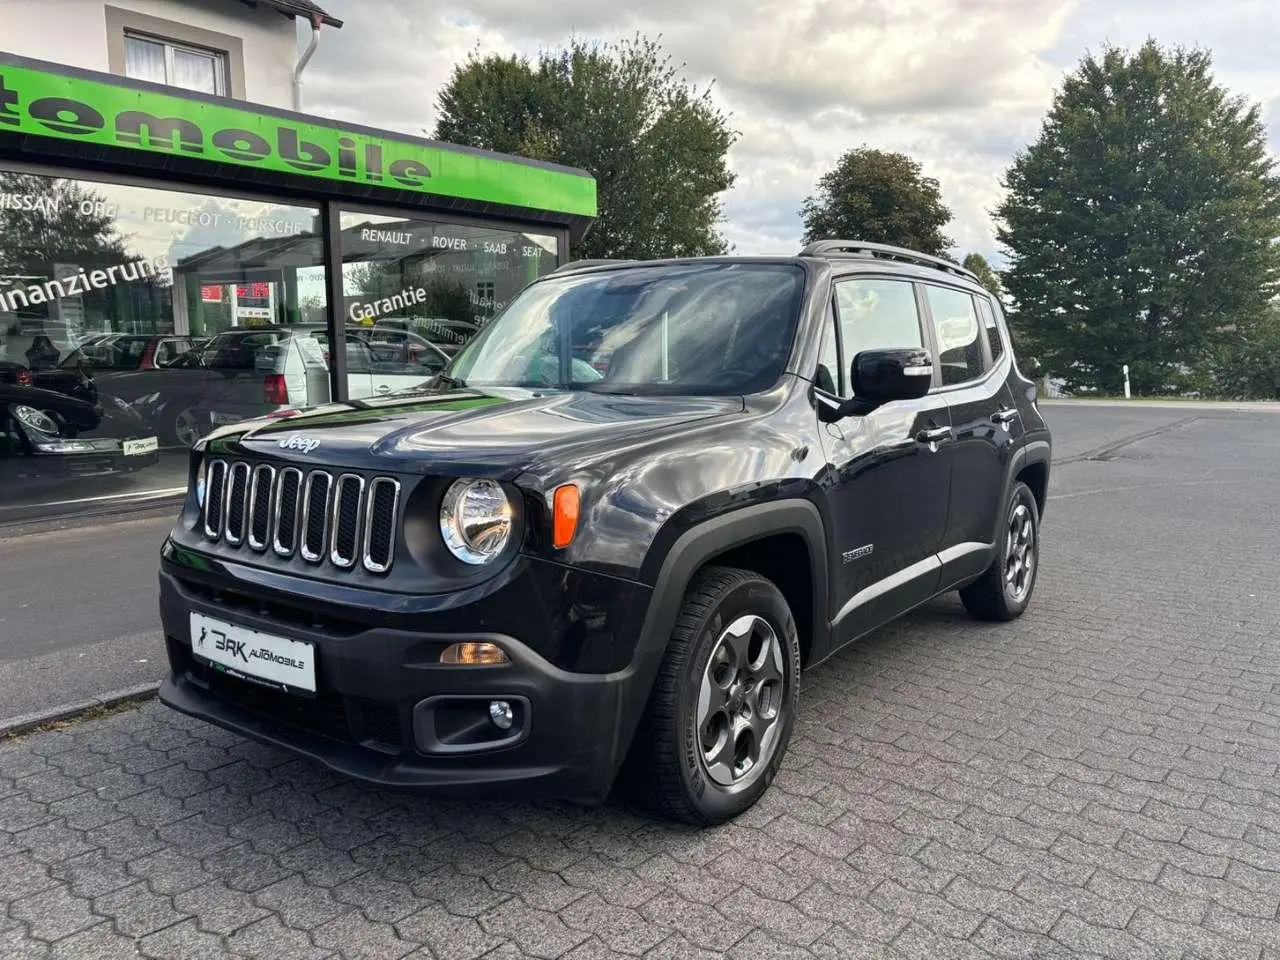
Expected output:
{"points": [[992, 596], [668, 769]]}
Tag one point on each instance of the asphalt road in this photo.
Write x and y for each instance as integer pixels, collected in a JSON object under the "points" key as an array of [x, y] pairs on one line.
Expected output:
{"points": [[78, 611], [1096, 779]]}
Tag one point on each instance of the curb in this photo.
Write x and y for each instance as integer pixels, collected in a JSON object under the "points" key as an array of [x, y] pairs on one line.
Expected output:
{"points": [[13, 726]]}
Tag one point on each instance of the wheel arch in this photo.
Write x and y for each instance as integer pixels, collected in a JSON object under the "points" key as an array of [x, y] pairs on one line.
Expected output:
{"points": [[1030, 465], [740, 537]]}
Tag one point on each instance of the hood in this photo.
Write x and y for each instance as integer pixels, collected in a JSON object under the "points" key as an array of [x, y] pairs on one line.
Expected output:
{"points": [[493, 431]]}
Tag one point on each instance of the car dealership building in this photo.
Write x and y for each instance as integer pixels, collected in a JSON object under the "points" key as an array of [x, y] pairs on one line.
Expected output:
{"points": [[175, 258]]}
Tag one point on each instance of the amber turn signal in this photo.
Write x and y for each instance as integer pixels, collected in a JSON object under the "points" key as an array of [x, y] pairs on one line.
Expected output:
{"points": [[565, 514], [472, 654]]}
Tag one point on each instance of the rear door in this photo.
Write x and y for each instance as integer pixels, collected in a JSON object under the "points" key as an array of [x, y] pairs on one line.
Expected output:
{"points": [[974, 373]]}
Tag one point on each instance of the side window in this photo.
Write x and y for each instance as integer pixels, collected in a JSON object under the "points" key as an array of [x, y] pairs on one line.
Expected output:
{"points": [[875, 315], [993, 332], [829, 374], [955, 323]]}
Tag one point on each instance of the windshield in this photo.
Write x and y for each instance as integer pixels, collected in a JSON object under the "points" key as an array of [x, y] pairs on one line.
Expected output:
{"points": [[711, 328]]}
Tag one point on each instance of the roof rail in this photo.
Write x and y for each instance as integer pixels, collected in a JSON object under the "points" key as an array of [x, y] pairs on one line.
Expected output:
{"points": [[857, 248], [583, 264]]}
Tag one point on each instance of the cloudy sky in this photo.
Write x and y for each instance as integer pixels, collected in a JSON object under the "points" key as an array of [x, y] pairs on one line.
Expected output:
{"points": [[958, 84]]}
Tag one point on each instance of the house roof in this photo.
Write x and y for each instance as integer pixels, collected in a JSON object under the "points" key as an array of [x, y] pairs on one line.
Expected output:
{"points": [[298, 8]]}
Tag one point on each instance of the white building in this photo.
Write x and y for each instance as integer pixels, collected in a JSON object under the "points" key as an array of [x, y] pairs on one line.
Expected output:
{"points": [[242, 49]]}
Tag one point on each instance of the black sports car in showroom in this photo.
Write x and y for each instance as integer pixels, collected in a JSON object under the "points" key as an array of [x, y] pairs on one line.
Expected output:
{"points": [[50, 435]]}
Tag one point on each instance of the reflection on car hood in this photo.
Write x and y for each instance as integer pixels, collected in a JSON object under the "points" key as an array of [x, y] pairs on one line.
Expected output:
{"points": [[490, 429]]}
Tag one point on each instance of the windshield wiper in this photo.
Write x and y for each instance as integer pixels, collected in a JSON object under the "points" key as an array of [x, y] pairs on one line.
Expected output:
{"points": [[447, 380]]}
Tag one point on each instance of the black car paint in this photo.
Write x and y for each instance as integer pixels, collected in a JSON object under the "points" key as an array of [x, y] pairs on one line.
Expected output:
{"points": [[103, 418], [668, 484]]}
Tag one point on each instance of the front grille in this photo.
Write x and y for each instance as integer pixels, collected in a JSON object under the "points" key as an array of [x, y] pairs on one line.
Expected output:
{"points": [[320, 517]]}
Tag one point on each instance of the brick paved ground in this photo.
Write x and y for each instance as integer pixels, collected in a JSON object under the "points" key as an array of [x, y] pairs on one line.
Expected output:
{"points": [[1097, 779]]}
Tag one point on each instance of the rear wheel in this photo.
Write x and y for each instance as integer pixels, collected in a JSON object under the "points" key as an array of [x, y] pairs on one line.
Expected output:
{"points": [[1004, 589], [723, 706]]}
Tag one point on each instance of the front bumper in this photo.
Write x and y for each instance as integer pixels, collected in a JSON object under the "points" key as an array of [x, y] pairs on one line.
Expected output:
{"points": [[76, 466], [388, 713]]}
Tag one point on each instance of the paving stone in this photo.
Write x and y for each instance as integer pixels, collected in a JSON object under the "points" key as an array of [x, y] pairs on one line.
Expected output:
{"points": [[17, 944], [21, 875], [461, 894], [361, 939], [1097, 778], [185, 940], [447, 935], [96, 943], [379, 898], [217, 908], [92, 874], [300, 905], [169, 871], [538, 933], [618, 929], [52, 842], [53, 913], [268, 937], [136, 911]]}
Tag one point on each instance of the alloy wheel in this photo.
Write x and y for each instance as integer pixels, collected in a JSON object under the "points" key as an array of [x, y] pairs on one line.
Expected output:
{"points": [[186, 428], [1020, 553], [740, 703]]}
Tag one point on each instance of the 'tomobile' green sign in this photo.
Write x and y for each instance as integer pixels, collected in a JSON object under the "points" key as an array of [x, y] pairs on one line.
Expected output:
{"points": [[72, 108]]}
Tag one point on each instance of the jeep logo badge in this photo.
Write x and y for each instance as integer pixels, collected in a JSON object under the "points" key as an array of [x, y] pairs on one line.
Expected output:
{"points": [[297, 442]]}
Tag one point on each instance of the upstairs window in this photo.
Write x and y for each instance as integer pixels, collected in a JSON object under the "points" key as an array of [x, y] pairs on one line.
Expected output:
{"points": [[175, 64]]}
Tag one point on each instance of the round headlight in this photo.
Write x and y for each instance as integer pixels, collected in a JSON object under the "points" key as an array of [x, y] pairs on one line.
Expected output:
{"points": [[475, 520], [200, 483], [34, 419]]}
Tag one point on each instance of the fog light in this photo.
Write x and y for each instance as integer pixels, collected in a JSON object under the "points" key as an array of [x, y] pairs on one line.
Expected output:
{"points": [[501, 715], [473, 654]]}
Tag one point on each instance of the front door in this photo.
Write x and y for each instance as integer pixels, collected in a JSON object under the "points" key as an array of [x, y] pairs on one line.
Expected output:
{"points": [[889, 482], [974, 368]]}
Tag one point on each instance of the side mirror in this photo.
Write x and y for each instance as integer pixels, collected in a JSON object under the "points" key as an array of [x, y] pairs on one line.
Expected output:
{"points": [[881, 376], [896, 374]]}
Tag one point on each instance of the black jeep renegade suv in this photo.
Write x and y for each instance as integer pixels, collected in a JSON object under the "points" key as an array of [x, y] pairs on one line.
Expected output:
{"points": [[602, 546]]}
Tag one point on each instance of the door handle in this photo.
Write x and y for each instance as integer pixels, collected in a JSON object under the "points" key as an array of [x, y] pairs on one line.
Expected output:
{"points": [[936, 435], [1004, 415]]}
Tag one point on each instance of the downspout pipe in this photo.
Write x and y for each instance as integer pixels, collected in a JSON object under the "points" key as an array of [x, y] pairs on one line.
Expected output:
{"points": [[302, 63]]}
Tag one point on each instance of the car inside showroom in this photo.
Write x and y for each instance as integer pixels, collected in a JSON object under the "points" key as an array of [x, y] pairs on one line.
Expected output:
{"points": [[171, 262]]}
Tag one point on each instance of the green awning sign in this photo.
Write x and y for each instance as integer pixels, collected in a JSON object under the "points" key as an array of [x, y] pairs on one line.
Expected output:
{"points": [[45, 104]]}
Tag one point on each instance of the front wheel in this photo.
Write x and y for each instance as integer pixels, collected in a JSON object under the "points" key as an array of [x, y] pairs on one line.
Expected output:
{"points": [[1004, 589], [723, 706]]}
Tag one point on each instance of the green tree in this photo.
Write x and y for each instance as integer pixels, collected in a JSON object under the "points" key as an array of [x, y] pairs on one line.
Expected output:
{"points": [[443, 297], [878, 197], [1140, 223], [1246, 364], [58, 221], [977, 264], [656, 146]]}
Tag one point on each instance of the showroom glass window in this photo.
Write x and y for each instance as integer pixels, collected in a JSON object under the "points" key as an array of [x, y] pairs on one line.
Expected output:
{"points": [[416, 290], [133, 319]]}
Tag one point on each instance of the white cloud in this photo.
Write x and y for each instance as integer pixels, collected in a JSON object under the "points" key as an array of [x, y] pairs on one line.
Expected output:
{"points": [[958, 84]]}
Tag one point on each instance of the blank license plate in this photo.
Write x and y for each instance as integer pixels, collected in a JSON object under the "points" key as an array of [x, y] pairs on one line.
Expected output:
{"points": [[134, 448], [278, 660]]}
